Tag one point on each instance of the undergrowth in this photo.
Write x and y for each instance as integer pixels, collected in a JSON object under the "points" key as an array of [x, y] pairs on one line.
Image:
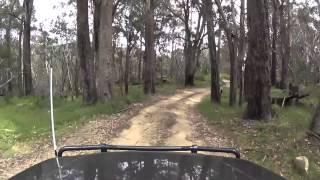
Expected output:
{"points": [[273, 144]]}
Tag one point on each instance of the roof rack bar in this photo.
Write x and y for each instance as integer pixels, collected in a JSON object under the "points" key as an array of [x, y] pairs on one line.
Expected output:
{"points": [[106, 148]]}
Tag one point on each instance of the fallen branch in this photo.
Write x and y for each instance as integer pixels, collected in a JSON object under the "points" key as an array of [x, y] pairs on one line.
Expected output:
{"points": [[123, 110], [310, 133]]}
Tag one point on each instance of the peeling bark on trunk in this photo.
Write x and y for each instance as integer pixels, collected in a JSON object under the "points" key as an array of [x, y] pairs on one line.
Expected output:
{"points": [[85, 53], [257, 73], [27, 73], [149, 65], [105, 78], [215, 73]]}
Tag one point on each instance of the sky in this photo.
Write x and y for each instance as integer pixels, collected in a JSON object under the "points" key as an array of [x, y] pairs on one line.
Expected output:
{"points": [[45, 12]]}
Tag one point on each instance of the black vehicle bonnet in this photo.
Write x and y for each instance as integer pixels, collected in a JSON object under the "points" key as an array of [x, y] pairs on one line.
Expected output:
{"points": [[146, 166]]}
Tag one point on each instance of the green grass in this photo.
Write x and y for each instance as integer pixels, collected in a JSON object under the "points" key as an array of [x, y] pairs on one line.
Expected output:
{"points": [[26, 119], [167, 88], [271, 144], [279, 93], [202, 80]]}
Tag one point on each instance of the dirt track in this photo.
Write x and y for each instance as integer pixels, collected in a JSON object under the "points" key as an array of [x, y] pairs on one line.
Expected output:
{"points": [[169, 121], [164, 123]]}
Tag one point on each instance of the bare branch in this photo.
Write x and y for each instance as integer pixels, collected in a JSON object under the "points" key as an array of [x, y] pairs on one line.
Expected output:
{"points": [[115, 7], [174, 13], [223, 16], [7, 82]]}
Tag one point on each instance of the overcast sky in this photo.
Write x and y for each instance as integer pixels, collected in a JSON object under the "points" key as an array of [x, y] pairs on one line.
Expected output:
{"points": [[45, 11]]}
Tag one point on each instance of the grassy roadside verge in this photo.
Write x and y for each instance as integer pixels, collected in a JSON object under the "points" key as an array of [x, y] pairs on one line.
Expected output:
{"points": [[274, 144], [23, 120]]}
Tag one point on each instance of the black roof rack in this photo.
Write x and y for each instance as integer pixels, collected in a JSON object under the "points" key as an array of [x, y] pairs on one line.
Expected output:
{"points": [[106, 148]]}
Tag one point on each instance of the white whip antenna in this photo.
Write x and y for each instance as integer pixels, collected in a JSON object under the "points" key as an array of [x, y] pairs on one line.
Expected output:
{"points": [[51, 114]]}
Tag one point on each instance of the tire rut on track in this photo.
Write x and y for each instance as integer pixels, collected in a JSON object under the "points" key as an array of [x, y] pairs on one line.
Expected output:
{"points": [[170, 121]]}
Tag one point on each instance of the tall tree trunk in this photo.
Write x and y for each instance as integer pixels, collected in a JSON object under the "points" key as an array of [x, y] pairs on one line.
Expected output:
{"points": [[149, 65], [121, 75], [105, 78], [85, 53], [172, 55], [76, 78], [219, 47], [189, 55], [140, 61], [20, 62], [215, 73], [257, 73], [285, 42], [27, 73], [241, 50], [233, 71], [8, 48], [161, 67], [126, 70], [96, 29], [231, 38], [275, 4]]}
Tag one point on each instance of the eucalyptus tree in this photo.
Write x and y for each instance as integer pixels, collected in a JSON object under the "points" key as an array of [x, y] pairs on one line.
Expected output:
{"points": [[275, 35], [150, 54], [105, 79], [285, 45], [27, 73], [215, 73], [184, 10], [10, 50], [133, 25], [242, 50], [231, 32], [85, 53], [257, 72]]}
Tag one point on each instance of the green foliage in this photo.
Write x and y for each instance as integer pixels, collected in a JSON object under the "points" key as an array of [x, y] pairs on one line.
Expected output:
{"points": [[271, 144]]}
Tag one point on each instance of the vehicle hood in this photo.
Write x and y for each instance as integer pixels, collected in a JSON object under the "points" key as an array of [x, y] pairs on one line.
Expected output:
{"points": [[146, 166]]}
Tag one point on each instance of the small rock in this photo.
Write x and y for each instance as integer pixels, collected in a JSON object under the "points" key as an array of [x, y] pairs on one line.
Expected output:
{"points": [[302, 164]]}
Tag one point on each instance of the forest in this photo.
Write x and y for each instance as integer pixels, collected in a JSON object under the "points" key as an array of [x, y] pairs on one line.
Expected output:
{"points": [[259, 60]]}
